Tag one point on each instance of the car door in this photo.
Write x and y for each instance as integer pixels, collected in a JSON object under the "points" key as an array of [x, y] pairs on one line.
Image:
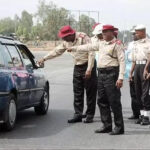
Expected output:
{"points": [[35, 76], [20, 76], [4, 74]]}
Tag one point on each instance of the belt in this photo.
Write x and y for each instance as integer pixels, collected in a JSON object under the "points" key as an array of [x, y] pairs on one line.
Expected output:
{"points": [[81, 65], [141, 62], [108, 70]]}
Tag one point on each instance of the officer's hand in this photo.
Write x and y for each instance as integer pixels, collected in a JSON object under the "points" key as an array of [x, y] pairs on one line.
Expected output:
{"points": [[41, 62], [130, 78], [87, 74], [69, 49], [145, 74], [148, 76], [119, 83]]}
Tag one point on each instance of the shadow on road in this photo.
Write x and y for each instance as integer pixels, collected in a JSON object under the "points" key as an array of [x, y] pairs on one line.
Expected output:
{"points": [[29, 125], [136, 132]]}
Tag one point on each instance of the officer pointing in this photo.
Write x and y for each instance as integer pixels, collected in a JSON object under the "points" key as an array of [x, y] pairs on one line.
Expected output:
{"points": [[84, 76], [111, 69]]}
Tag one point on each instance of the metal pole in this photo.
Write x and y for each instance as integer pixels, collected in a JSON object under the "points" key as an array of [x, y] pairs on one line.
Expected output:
{"points": [[79, 12], [89, 23], [98, 16], [79, 22]]}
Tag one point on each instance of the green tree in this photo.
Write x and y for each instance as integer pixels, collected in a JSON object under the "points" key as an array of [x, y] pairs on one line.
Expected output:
{"points": [[24, 25], [85, 24], [26, 21], [52, 19], [16, 22], [49, 19], [7, 26], [37, 31]]}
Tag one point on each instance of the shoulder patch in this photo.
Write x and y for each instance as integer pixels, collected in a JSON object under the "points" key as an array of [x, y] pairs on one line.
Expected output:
{"points": [[81, 35], [119, 42]]}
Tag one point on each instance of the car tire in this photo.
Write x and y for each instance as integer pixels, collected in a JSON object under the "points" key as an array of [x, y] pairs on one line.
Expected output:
{"points": [[42, 108], [10, 114]]}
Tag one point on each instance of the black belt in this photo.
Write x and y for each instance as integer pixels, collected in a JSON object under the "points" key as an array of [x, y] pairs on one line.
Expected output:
{"points": [[108, 69], [82, 65]]}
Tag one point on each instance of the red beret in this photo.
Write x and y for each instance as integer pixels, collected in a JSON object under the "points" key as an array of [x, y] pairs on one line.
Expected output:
{"points": [[65, 31], [109, 27]]}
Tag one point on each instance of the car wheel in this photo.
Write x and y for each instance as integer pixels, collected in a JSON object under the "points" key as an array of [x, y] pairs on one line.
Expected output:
{"points": [[10, 114], [42, 108]]}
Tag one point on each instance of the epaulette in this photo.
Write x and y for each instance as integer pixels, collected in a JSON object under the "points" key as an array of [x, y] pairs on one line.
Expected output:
{"points": [[119, 42], [81, 35]]}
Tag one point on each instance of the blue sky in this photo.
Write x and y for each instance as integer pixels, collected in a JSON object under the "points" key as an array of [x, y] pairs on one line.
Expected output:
{"points": [[121, 13]]}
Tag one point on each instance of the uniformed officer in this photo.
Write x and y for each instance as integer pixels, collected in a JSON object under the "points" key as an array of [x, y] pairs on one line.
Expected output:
{"points": [[140, 55], [84, 76], [111, 68], [134, 102]]}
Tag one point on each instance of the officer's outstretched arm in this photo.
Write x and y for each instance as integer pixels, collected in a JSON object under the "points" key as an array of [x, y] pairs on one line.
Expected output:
{"points": [[84, 48], [59, 50]]}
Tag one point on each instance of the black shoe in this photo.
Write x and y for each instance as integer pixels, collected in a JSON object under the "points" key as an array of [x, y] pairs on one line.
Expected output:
{"points": [[133, 117], [75, 119], [88, 119], [117, 131], [84, 116], [145, 121], [104, 130], [139, 120]]}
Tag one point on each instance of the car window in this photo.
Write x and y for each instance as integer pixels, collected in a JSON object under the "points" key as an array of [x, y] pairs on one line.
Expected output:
{"points": [[26, 59], [6, 56], [2, 62], [15, 56]]}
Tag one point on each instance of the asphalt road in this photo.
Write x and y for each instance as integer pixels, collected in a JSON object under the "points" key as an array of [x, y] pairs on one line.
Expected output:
{"points": [[53, 132]]}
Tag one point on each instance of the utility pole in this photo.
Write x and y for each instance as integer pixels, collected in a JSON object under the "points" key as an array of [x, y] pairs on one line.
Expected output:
{"points": [[79, 12]]}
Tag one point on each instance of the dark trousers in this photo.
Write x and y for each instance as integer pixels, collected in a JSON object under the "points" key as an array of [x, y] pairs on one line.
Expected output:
{"points": [[134, 102], [141, 87], [109, 97], [89, 85]]}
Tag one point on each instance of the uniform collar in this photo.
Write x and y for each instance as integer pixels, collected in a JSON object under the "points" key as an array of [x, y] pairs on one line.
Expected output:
{"points": [[110, 42], [75, 41], [76, 38], [142, 40]]}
